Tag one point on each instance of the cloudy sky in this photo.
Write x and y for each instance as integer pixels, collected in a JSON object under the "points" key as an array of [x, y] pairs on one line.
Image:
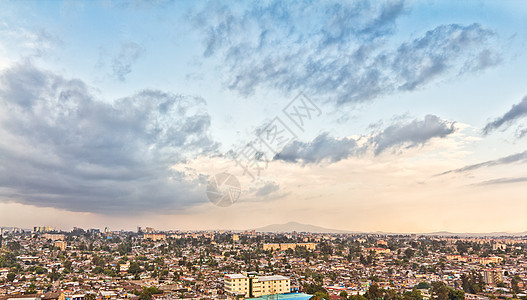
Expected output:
{"points": [[392, 116]]}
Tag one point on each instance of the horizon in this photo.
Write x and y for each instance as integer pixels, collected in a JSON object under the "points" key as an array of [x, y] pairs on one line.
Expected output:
{"points": [[263, 228], [392, 116]]}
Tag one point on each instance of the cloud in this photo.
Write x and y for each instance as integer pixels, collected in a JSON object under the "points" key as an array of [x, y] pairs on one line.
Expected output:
{"points": [[415, 133], [62, 147], [341, 51], [516, 112], [263, 191], [267, 189], [514, 158], [123, 61], [28, 43], [325, 148], [503, 181]]}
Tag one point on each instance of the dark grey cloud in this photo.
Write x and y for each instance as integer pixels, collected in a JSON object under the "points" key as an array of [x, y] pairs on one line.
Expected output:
{"points": [[62, 147], [122, 63], [514, 158], [516, 112], [325, 148], [341, 51], [408, 135]]}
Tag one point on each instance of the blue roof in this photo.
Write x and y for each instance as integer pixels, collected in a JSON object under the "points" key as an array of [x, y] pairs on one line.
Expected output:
{"points": [[292, 296]]}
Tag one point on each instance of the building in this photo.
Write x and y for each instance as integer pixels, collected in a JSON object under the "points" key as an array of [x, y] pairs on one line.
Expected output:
{"points": [[382, 242], [499, 246], [236, 284], [155, 236], [489, 260], [492, 276], [276, 284], [61, 245], [42, 229], [377, 250], [74, 296], [53, 236], [252, 285], [285, 246]]}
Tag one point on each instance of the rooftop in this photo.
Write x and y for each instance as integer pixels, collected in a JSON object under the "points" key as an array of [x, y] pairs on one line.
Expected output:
{"points": [[272, 277], [295, 296]]}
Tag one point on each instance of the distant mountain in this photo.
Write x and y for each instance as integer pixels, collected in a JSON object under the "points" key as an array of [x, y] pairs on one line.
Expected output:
{"points": [[298, 227], [294, 226], [472, 234]]}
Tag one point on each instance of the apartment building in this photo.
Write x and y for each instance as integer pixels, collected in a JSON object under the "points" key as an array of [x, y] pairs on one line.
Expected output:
{"points": [[492, 276], [60, 245], [155, 236], [285, 246], [250, 285]]}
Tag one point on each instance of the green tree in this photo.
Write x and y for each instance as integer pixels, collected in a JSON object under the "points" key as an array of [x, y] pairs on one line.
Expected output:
{"points": [[514, 284], [90, 296], [374, 292], [413, 295]]}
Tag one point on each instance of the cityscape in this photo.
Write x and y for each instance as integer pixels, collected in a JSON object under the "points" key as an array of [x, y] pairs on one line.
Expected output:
{"points": [[80, 264], [263, 150]]}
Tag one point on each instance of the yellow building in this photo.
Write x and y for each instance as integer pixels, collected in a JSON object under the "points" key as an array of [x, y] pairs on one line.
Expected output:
{"points": [[276, 284], [236, 284], [61, 245], [377, 250], [489, 260], [251, 285], [285, 246], [155, 236], [53, 236]]}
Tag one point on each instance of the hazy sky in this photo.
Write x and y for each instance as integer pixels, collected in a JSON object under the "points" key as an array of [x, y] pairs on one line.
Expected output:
{"points": [[116, 113]]}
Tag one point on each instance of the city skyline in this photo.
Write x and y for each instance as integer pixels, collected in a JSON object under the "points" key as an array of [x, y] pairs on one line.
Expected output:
{"points": [[118, 113]]}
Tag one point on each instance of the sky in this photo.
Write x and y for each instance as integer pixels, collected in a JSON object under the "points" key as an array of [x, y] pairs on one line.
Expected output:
{"points": [[395, 116]]}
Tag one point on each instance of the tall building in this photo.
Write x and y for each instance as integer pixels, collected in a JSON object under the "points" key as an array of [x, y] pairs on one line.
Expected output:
{"points": [[251, 285]]}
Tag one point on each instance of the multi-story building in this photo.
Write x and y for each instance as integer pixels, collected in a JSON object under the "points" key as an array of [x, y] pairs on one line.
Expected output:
{"points": [[492, 276], [377, 250], [285, 246], [61, 245], [236, 284], [54, 236], [155, 236], [252, 285], [276, 284], [42, 229]]}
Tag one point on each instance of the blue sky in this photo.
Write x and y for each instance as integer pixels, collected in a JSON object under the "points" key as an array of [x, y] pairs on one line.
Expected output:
{"points": [[117, 113]]}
